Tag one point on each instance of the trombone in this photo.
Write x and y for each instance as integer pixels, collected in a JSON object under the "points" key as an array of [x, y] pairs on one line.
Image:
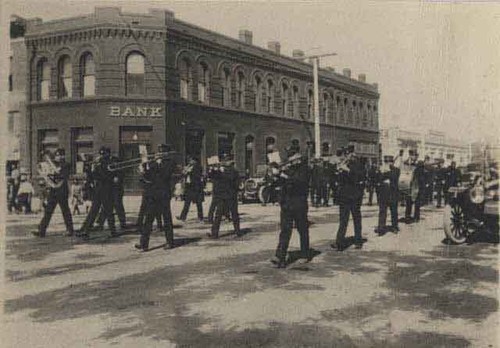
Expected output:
{"points": [[134, 162]]}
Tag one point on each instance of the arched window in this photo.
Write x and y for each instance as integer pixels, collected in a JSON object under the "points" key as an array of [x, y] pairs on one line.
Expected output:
{"points": [[270, 96], [325, 112], [43, 80], [87, 69], [226, 87], [249, 150], [64, 78], [258, 94], [270, 146], [346, 113], [310, 100], [134, 84], [364, 115], [203, 83], [340, 117], [185, 75], [370, 116], [284, 98], [240, 90], [295, 102]]}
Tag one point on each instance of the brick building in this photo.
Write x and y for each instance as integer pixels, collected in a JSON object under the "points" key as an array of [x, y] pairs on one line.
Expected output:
{"points": [[120, 79]]}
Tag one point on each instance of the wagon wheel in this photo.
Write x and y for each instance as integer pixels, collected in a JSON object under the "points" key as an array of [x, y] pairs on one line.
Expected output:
{"points": [[455, 226]]}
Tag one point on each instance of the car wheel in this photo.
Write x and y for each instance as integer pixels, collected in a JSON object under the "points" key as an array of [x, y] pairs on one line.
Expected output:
{"points": [[455, 226], [264, 194]]}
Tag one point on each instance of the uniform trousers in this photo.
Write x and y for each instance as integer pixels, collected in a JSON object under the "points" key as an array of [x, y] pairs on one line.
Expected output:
{"points": [[118, 207], [382, 213], [142, 214], [347, 207], [102, 198], [289, 214], [56, 197], [439, 194], [157, 204], [222, 207], [409, 202]]}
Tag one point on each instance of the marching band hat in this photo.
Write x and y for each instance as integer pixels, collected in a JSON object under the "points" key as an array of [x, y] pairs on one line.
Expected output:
{"points": [[291, 150], [339, 152], [350, 149], [60, 152], [164, 148]]}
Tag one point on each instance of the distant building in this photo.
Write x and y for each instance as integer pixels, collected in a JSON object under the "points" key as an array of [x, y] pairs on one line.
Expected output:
{"points": [[122, 79], [431, 143]]}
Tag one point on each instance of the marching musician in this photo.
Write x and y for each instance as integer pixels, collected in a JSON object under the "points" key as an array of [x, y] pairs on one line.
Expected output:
{"points": [[193, 188], [452, 178], [439, 183], [103, 194], [386, 181], [157, 177], [294, 180], [57, 182], [225, 195], [319, 192], [371, 177], [350, 192]]}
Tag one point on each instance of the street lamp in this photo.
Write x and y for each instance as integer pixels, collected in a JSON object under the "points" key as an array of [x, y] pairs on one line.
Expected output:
{"points": [[317, 134]]}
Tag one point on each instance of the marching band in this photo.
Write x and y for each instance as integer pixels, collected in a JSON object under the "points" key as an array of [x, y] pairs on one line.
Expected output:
{"points": [[344, 177]]}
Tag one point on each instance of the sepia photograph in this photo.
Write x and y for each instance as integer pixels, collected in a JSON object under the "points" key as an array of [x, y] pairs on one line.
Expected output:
{"points": [[249, 173]]}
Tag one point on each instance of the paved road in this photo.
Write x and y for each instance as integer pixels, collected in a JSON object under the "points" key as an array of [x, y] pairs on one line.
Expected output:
{"points": [[400, 290]]}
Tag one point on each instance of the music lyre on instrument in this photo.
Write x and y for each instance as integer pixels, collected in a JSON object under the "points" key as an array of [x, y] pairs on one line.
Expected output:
{"points": [[48, 170]]}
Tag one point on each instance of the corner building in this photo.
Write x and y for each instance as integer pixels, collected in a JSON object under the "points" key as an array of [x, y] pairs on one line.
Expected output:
{"points": [[120, 80]]}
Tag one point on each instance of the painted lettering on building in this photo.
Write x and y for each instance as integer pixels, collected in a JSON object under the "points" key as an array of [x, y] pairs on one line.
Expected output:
{"points": [[135, 111]]}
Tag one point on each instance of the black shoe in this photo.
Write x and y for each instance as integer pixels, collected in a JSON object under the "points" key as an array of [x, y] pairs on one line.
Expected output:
{"points": [[140, 247], [379, 230], [211, 236], [70, 233], [114, 234], [37, 234], [337, 247], [395, 229], [280, 263], [168, 246], [358, 246], [180, 218]]}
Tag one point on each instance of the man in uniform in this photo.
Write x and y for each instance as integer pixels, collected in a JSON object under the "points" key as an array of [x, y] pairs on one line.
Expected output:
{"points": [[419, 176], [439, 178], [371, 181], [387, 195], [294, 180], [157, 178], [193, 189], [58, 194], [225, 195], [103, 194], [452, 178], [351, 181]]}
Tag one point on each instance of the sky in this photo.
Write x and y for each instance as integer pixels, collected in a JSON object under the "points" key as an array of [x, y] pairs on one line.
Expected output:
{"points": [[437, 63]]}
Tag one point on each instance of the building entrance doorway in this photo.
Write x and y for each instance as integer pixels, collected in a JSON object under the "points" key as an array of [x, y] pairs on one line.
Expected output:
{"points": [[194, 144], [130, 139]]}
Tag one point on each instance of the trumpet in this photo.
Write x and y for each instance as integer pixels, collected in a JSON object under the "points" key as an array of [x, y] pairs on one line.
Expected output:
{"points": [[134, 162]]}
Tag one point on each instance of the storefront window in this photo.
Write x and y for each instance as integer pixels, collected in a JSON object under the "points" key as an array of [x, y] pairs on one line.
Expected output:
{"points": [[249, 150], [225, 144], [82, 147], [64, 78], [48, 141], [135, 74]]}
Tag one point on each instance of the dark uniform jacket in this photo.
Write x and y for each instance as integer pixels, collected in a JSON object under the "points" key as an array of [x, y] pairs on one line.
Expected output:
{"points": [[388, 185], [452, 177], [63, 176], [102, 176], [193, 186], [351, 183], [225, 183], [295, 188]]}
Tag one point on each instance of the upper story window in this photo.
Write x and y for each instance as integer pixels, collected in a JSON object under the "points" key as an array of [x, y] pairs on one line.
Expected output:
{"points": [[310, 98], [203, 83], [270, 96], [64, 78], [284, 98], [345, 112], [295, 101], [325, 107], [135, 74], [87, 68], [340, 117], [240, 90], [258, 94], [226, 87], [43, 80]]}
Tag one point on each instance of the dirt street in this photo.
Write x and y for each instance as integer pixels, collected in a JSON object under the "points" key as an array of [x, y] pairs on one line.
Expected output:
{"points": [[401, 290]]}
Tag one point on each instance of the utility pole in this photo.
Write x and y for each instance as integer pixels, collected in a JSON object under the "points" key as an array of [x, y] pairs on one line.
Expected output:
{"points": [[317, 133]]}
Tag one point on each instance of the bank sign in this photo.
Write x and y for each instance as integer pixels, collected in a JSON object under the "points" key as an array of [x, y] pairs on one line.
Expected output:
{"points": [[135, 111]]}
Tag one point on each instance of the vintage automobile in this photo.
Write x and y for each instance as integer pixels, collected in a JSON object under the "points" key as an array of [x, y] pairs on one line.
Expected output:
{"points": [[473, 208], [260, 188]]}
